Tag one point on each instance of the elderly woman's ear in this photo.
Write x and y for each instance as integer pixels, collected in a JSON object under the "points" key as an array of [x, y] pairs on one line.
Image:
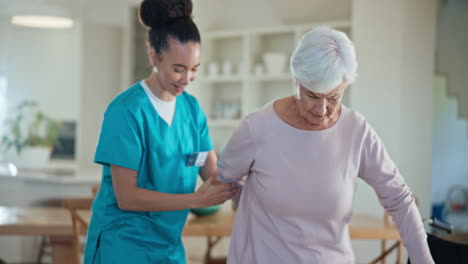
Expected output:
{"points": [[297, 94]]}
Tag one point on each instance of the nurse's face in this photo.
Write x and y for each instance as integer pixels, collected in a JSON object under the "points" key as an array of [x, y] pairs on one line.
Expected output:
{"points": [[177, 66]]}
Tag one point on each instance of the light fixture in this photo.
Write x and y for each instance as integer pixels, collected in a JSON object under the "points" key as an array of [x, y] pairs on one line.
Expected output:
{"points": [[41, 21], [41, 15]]}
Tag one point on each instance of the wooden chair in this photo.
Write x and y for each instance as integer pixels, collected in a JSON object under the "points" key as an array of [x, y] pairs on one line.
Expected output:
{"points": [[211, 242], [398, 245], [95, 189], [73, 205], [45, 248], [385, 251]]}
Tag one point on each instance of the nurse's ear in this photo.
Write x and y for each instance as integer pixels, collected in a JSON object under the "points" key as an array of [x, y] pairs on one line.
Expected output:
{"points": [[154, 59]]}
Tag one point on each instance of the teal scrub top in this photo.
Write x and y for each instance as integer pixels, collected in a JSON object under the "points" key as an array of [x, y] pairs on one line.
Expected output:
{"points": [[134, 136]]}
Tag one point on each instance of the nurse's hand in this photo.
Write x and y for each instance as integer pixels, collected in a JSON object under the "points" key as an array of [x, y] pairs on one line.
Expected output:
{"points": [[212, 192]]}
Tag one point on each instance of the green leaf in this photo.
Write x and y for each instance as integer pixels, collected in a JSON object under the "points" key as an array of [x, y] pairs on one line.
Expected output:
{"points": [[14, 137]]}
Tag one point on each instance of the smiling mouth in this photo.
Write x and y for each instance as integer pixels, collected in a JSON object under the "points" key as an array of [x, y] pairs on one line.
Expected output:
{"points": [[319, 117], [179, 88]]}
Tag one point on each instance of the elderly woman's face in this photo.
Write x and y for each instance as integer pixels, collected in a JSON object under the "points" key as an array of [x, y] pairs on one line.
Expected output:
{"points": [[319, 109]]}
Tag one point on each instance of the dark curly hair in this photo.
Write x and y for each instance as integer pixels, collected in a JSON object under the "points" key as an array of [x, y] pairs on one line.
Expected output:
{"points": [[168, 19]]}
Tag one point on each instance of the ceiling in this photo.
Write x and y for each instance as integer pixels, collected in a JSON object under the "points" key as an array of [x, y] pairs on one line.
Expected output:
{"points": [[241, 13], [209, 13]]}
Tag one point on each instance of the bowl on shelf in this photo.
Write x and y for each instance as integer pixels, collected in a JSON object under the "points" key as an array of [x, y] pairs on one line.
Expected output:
{"points": [[275, 62], [203, 211]]}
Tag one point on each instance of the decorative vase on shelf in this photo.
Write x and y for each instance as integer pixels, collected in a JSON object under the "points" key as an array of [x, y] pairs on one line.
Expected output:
{"points": [[29, 137], [213, 70], [7, 168], [227, 69], [31, 158], [275, 62]]}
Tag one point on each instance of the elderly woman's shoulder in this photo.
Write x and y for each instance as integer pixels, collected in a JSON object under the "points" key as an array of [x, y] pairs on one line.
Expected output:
{"points": [[264, 111], [354, 117], [260, 117]]}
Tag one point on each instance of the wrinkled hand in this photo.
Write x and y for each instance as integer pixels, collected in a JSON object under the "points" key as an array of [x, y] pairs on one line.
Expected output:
{"points": [[213, 192]]}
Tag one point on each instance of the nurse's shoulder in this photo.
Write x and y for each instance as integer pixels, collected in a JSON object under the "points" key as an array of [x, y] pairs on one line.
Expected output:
{"points": [[128, 101], [191, 102]]}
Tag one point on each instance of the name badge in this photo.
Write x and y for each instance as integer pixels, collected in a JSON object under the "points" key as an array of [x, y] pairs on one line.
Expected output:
{"points": [[197, 159]]}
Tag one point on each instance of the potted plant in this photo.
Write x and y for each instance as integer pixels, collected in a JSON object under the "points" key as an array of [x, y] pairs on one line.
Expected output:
{"points": [[30, 136]]}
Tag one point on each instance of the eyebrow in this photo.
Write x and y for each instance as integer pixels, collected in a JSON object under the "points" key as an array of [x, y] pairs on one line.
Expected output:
{"points": [[183, 66], [333, 96]]}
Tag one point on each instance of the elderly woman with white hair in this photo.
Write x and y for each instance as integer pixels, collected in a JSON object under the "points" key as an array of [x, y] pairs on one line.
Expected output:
{"points": [[299, 159]]}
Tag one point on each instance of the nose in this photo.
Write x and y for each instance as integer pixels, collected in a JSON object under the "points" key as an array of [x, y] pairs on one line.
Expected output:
{"points": [[188, 77], [321, 107], [185, 78]]}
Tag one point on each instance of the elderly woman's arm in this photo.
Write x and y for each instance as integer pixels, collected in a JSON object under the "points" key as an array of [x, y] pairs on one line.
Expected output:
{"points": [[379, 171], [237, 158]]}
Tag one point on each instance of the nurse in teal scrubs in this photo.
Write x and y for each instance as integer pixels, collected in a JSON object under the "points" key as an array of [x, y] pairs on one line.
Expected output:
{"points": [[150, 136]]}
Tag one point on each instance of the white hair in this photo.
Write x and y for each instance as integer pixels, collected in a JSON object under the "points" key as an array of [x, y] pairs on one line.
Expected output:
{"points": [[323, 59]]}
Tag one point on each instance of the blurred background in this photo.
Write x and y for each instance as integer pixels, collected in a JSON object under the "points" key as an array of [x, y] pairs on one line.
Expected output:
{"points": [[60, 76]]}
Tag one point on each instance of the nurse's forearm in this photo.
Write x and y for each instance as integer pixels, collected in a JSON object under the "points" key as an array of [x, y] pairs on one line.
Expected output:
{"points": [[210, 166], [130, 197], [147, 200]]}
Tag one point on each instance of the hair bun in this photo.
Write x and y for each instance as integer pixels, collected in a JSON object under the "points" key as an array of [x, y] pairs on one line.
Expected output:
{"points": [[154, 13]]}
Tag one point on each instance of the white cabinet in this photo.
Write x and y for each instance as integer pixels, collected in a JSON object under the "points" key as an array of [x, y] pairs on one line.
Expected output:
{"points": [[235, 78]]}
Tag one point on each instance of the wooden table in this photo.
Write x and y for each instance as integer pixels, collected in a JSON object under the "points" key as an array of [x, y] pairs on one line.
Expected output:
{"points": [[36, 221], [56, 223], [219, 225]]}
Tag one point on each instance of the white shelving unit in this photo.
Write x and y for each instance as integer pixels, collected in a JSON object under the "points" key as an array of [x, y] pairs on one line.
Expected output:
{"points": [[228, 96], [223, 122]]}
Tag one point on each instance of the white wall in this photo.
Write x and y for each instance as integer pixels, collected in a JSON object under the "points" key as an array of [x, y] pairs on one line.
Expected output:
{"points": [[417, 67], [395, 49], [223, 14], [450, 138], [452, 51], [3, 78], [114, 16], [106, 70], [44, 65], [102, 81], [450, 143], [216, 15]]}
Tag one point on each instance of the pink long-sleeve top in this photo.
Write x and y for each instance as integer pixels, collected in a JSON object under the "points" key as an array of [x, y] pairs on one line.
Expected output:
{"points": [[296, 203]]}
